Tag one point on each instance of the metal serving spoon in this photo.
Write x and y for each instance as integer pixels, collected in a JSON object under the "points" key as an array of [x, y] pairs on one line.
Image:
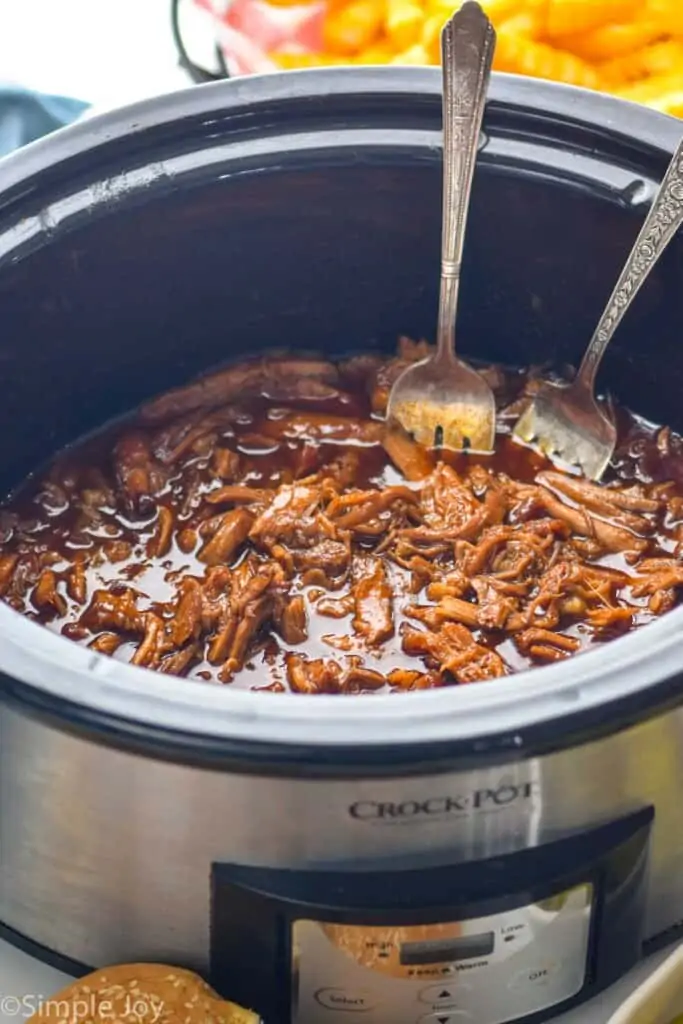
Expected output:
{"points": [[442, 402], [564, 421]]}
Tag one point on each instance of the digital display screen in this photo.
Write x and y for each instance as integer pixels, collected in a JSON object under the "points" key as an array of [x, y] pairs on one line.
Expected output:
{"points": [[439, 951]]}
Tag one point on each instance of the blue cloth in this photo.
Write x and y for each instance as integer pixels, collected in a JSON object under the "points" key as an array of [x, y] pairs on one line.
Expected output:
{"points": [[26, 116]]}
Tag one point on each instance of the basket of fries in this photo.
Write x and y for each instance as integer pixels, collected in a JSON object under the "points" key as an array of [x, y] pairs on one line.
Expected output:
{"points": [[630, 48]]}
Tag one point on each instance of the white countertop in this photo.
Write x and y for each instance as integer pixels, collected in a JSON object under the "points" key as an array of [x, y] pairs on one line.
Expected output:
{"points": [[107, 54], [25, 982]]}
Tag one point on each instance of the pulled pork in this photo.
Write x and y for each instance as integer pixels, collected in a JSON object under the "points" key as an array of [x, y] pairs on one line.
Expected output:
{"points": [[261, 527]]}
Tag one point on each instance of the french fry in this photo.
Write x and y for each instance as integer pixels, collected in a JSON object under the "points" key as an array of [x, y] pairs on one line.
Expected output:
{"points": [[668, 14], [381, 53], [538, 60], [658, 59], [571, 17], [611, 41], [670, 103], [439, 8], [403, 23], [413, 55], [527, 24], [291, 60], [652, 88], [631, 48], [356, 26], [431, 37], [497, 10]]}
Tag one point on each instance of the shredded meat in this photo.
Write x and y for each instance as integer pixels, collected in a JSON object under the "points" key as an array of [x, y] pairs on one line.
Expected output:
{"points": [[137, 473], [319, 427], [262, 528], [410, 459], [230, 533], [115, 611], [106, 643], [45, 596], [453, 650], [187, 620], [151, 648], [251, 605], [373, 613], [8, 564], [546, 645], [238, 494], [159, 544], [292, 620], [281, 379]]}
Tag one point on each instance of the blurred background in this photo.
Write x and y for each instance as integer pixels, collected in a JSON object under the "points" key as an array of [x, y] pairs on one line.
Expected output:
{"points": [[104, 53], [107, 54]]}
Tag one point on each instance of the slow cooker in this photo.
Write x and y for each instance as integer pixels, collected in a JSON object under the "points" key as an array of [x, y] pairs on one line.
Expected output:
{"points": [[493, 852]]}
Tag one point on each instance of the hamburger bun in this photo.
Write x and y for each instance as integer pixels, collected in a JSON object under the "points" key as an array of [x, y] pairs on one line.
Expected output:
{"points": [[140, 994]]}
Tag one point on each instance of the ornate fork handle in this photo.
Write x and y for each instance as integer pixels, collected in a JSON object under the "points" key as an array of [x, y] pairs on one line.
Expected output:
{"points": [[661, 224], [467, 46]]}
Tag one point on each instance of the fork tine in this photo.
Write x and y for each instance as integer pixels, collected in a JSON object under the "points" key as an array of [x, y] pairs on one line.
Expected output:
{"points": [[548, 426]]}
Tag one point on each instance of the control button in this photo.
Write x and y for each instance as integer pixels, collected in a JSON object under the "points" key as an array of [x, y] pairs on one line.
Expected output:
{"points": [[340, 999], [445, 1017], [515, 932], [440, 995], [534, 977]]}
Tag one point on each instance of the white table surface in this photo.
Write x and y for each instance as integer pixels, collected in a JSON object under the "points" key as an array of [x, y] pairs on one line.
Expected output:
{"points": [[24, 982], [106, 52]]}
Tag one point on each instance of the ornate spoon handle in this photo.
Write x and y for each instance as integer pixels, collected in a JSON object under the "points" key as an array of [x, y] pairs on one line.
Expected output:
{"points": [[661, 224]]}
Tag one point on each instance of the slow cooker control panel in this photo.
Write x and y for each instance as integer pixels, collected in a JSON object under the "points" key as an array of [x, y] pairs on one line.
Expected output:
{"points": [[492, 969], [416, 940]]}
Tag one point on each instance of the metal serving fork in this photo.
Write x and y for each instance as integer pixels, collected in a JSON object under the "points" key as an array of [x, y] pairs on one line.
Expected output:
{"points": [[564, 421], [441, 401]]}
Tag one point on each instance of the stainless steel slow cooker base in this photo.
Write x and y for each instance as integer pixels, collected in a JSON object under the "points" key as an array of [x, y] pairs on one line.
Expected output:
{"points": [[107, 856], [303, 210]]}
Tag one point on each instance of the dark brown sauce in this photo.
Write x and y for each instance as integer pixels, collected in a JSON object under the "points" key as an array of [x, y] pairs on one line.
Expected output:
{"points": [[129, 512]]}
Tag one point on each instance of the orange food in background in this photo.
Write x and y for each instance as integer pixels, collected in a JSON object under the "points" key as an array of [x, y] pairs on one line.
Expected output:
{"points": [[630, 48]]}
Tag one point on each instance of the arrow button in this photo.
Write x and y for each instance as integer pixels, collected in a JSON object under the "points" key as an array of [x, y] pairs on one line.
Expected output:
{"points": [[439, 995]]}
